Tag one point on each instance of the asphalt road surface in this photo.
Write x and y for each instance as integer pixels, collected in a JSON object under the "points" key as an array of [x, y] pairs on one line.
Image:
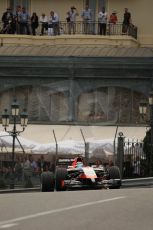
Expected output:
{"points": [[122, 209]]}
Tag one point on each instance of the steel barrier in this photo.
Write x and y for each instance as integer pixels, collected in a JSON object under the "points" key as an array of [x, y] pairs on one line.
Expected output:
{"points": [[126, 183], [137, 182]]}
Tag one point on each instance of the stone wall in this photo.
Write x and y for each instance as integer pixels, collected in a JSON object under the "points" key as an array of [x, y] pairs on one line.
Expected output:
{"points": [[73, 89]]}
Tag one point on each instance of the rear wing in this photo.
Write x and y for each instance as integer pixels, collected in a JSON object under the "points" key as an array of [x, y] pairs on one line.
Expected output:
{"points": [[65, 162]]}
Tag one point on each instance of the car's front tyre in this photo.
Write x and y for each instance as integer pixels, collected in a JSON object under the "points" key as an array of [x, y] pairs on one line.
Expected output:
{"points": [[60, 177], [47, 182], [114, 173]]}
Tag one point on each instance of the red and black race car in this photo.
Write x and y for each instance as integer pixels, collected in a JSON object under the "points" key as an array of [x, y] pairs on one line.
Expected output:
{"points": [[79, 176]]}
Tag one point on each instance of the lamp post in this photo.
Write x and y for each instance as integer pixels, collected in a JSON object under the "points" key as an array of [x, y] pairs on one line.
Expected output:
{"points": [[14, 132], [143, 112], [143, 109]]}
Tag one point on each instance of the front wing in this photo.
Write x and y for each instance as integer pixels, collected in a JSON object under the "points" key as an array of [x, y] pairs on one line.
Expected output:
{"points": [[92, 184]]}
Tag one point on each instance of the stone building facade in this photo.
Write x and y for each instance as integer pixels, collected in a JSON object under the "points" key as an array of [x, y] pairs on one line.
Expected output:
{"points": [[141, 11], [76, 89], [78, 78]]}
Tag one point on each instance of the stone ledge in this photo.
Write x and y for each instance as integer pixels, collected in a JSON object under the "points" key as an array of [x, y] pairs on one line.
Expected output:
{"points": [[68, 40]]}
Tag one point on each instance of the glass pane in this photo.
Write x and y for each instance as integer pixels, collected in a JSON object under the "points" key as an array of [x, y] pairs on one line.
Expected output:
{"points": [[101, 3], [25, 3], [14, 3]]}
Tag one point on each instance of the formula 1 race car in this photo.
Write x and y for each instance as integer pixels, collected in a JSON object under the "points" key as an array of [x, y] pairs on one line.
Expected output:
{"points": [[79, 176]]}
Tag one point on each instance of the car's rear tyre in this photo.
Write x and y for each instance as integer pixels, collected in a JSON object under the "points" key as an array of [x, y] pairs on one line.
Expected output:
{"points": [[47, 182], [114, 173], [60, 177]]}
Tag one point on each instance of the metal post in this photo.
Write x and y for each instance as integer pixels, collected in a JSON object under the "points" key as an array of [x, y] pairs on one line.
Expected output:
{"points": [[13, 154], [14, 133], [56, 157], [56, 154], [114, 143], [87, 152], [86, 148], [120, 153]]}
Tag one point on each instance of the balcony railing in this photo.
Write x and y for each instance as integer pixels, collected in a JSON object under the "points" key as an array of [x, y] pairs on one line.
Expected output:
{"points": [[91, 28]]}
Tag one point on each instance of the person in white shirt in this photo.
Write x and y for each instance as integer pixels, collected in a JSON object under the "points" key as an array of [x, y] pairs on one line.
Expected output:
{"points": [[71, 19], [53, 24], [102, 21], [44, 23]]}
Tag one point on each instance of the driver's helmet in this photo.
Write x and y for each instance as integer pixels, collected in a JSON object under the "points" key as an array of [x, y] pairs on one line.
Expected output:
{"points": [[79, 159]]}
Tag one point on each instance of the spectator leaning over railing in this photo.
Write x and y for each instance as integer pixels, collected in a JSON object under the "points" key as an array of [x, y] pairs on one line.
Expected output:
{"points": [[24, 22], [71, 19], [34, 23], [102, 21], [50, 25], [87, 19], [53, 24], [8, 22], [126, 21], [44, 23], [113, 17], [17, 19], [112, 23]]}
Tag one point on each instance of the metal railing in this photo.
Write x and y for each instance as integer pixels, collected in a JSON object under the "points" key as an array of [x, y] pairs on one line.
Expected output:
{"points": [[135, 163], [131, 159], [91, 28]]}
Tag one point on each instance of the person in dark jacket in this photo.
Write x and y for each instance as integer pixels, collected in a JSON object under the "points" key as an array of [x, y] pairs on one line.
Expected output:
{"points": [[7, 20], [42, 164], [126, 21], [34, 23]]}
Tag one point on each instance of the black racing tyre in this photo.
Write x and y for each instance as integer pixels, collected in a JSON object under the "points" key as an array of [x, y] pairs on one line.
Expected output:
{"points": [[60, 177], [114, 173], [47, 182]]}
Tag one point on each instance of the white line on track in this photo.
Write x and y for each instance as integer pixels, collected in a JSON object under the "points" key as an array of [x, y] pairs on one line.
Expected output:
{"points": [[8, 225], [12, 222]]}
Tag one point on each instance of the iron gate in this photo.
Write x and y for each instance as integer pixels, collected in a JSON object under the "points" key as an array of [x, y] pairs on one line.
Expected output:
{"points": [[131, 158]]}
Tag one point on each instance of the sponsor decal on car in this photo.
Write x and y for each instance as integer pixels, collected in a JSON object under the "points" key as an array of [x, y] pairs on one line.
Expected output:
{"points": [[89, 172]]}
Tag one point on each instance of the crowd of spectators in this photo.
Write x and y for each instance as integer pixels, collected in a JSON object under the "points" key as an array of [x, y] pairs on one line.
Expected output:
{"points": [[21, 22], [26, 167]]}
